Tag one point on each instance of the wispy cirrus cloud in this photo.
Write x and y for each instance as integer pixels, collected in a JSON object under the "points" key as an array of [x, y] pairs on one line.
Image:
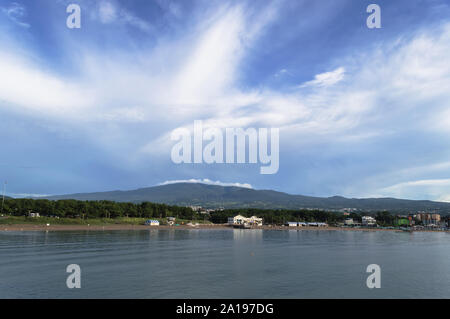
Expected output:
{"points": [[202, 83], [67, 98], [433, 189], [112, 12], [16, 12], [107, 12]]}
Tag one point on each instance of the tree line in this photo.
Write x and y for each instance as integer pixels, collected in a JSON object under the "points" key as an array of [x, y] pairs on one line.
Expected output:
{"points": [[69, 208]]}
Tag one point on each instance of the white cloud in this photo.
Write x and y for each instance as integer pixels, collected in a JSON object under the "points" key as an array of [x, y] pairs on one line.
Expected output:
{"points": [[130, 19], [29, 87], [107, 12], [166, 83], [433, 189], [111, 12], [281, 73], [210, 68], [200, 83], [444, 198], [426, 182], [326, 79], [208, 182], [26, 195]]}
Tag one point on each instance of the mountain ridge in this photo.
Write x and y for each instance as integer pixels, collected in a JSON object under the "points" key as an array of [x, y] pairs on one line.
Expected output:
{"points": [[215, 196]]}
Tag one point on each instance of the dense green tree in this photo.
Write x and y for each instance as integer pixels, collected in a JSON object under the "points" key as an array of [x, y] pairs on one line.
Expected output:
{"points": [[94, 209]]}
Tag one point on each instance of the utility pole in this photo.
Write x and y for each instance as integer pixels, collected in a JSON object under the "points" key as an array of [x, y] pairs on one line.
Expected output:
{"points": [[3, 199]]}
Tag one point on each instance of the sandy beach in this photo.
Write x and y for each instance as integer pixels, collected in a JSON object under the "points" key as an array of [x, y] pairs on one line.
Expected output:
{"points": [[28, 227]]}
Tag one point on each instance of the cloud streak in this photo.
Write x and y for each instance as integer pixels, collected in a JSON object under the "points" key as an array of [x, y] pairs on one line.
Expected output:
{"points": [[207, 182], [326, 79], [110, 12]]}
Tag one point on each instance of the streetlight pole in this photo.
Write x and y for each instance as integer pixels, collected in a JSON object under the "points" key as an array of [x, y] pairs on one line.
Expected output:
{"points": [[3, 199]]}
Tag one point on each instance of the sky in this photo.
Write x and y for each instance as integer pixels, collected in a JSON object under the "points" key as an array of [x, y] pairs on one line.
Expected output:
{"points": [[361, 112]]}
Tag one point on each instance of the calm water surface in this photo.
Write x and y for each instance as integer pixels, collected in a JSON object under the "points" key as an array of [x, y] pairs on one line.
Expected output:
{"points": [[224, 264]]}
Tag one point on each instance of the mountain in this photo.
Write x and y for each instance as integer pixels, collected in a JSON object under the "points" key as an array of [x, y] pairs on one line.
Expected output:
{"points": [[213, 196]]}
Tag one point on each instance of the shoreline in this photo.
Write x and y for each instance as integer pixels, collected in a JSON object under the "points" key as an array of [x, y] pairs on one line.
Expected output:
{"points": [[32, 227]]}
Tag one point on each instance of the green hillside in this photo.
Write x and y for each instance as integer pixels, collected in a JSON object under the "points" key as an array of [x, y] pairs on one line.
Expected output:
{"points": [[213, 196]]}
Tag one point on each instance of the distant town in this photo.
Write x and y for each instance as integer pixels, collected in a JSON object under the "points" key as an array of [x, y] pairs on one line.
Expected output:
{"points": [[353, 219]]}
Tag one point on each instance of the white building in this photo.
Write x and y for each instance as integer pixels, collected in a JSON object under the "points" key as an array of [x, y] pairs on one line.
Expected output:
{"points": [[368, 221], [33, 215], [255, 221], [348, 221], [317, 224], [240, 220], [236, 220], [291, 224]]}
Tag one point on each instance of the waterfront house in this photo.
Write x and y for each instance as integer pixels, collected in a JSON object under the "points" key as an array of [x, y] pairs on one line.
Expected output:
{"points": [[241, 220], [369, 221], [237, 220], [255, 221]]}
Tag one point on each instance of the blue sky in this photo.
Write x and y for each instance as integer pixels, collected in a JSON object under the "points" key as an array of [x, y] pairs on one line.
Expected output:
{"points": [[361, 112]]}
